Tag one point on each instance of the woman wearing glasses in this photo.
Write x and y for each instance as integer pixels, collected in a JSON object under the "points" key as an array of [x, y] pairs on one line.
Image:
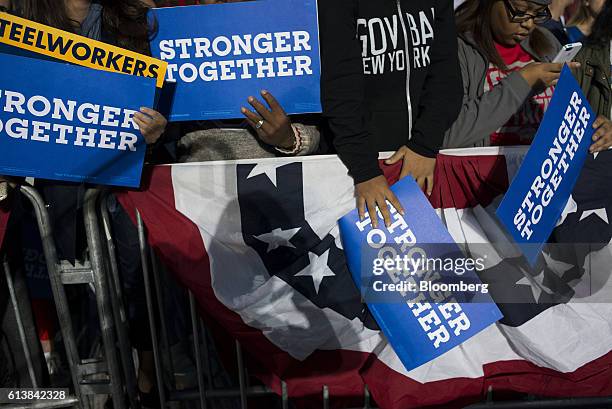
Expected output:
{"points": [[507, 77]]}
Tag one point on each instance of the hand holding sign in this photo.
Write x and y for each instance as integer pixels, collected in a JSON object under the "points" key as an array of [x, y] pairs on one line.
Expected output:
{"points": [[272, 125], [151, 123], [375, 193], [602, 137]]}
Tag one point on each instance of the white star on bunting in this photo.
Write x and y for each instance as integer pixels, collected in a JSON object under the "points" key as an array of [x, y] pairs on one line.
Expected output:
{"points": [[317, 269], [570, 207], [603, 215], [266, 168], [535, 283], [278, 237]]}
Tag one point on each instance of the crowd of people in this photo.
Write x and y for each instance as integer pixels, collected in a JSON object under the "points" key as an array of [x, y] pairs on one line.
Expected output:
{"points": [[480, 74]]}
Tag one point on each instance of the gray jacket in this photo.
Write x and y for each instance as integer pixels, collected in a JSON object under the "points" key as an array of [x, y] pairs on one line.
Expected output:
{"points": [[240, 143], [483, 113]]}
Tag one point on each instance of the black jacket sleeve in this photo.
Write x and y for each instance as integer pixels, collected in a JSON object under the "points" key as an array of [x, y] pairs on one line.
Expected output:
{"points": [[442, 91], [343, 88]]}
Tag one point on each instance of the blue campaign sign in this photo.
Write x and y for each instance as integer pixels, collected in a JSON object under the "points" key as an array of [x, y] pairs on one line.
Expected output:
{"points": [[423, 291], [65, 122], [220, 55], [540, 190]]}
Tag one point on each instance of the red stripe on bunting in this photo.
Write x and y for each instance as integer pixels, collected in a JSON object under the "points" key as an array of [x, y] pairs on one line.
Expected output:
{"points": [[5, 213], [472, 181]]}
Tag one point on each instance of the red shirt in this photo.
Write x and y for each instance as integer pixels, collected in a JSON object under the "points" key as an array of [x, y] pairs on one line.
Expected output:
{"points": [[522, 126]]}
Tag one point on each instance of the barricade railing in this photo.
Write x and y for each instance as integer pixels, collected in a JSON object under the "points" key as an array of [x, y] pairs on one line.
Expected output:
{"points": [[117, 369], [119, 312], [20, 324], [92, 375], [205, 391]]}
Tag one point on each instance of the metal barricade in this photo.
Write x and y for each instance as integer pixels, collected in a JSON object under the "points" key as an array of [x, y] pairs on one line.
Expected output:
{"points": [[20, 324], [117, 368], [90, 376], [205, 392]]}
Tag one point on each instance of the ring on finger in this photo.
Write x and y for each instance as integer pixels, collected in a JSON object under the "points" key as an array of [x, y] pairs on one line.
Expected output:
{"points": [[259, 124]]}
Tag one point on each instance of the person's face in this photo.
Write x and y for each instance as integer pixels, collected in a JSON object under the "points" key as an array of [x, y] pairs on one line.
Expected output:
{"points": [[509, 29], [595, 6], [561, 3]]}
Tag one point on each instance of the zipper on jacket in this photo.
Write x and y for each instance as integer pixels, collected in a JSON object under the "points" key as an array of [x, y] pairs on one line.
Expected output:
{"points": [[406, 49]]}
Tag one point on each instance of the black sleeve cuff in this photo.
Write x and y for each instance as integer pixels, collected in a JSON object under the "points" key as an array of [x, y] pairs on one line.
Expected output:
{"points": [[421, 150]]}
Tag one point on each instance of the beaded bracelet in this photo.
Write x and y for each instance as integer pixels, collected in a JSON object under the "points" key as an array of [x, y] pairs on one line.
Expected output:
{"points": [[297, 145]]}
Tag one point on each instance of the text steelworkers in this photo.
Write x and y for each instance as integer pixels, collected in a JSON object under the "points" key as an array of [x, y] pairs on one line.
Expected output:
{"points": [[545, 185], [80, 51]]}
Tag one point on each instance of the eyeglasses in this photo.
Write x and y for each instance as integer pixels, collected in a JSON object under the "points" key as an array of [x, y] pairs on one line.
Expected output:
{"points": [[520, 16]]}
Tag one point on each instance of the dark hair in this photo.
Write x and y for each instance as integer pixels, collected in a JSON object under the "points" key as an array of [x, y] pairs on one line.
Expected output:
{"points": [[581, 14], [474, 17], [123, 21], [601, 33]]}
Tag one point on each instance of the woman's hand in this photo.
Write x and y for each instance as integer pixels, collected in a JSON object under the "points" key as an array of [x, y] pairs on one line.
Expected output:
{"points": [[151, 123], [375, 193], [272, 125], [541, 75], [602, 138], [421, 168]]}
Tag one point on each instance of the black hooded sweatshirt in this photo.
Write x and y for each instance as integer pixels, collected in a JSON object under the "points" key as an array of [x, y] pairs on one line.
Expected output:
{"points": [[372, 52]]}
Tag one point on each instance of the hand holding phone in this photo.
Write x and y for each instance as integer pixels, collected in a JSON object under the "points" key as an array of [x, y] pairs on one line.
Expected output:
{"points": [[567, 53]]}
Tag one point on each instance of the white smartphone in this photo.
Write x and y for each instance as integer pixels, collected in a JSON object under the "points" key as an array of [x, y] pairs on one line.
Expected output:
{"points": [[567, 53]]}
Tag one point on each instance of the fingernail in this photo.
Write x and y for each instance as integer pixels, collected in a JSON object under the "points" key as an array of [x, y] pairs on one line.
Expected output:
{"points": [[264, 92], [243, 110], [142, 109], [402, 212], [250, 99]]}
